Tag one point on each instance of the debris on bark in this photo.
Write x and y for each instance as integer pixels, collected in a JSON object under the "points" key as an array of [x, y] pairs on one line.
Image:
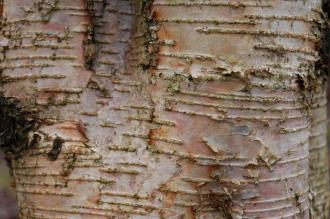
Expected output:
{"points": [[56, 149], [267, 157]]}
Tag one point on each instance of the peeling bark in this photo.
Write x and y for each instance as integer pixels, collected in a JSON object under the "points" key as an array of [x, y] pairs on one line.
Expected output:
{"points": [[168, 109]]}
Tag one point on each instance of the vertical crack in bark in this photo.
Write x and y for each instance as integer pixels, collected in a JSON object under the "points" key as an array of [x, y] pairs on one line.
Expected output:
{"points": [[150, 36], [89, 44]]}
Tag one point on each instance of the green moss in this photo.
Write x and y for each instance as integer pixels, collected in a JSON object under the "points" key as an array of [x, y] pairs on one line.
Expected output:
{"points": [[173, 87]]}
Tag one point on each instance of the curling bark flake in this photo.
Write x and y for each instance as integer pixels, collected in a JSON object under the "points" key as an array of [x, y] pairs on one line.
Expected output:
{"points": [[168, 109]]}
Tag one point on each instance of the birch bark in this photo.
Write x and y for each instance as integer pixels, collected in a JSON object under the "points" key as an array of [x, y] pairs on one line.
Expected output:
{"points": [[168, 109]]}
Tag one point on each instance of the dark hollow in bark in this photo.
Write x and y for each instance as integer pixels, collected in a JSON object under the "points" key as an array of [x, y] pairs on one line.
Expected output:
{"points": [[16, 122]]}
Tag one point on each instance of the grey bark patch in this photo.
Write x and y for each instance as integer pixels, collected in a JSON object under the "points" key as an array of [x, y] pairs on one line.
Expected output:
{"points": [[247, 194], [241, 130]]}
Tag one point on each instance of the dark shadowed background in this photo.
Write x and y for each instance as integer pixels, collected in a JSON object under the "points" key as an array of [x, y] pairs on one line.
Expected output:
{"points": [[8, 208]]}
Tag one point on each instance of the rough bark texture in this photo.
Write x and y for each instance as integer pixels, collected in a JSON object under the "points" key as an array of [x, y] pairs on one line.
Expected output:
{"points": [[168, 109]]}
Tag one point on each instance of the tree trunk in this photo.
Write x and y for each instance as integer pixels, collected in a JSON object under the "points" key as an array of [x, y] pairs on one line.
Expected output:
{"points": [[319, 166], [165, 109]]}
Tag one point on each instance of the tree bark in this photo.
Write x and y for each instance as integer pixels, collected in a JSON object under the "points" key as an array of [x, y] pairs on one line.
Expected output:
{"points": [[318, 163], [168, 109]]}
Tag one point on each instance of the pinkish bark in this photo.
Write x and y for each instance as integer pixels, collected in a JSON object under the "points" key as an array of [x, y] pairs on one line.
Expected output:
{"points": [[167, 109]]}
